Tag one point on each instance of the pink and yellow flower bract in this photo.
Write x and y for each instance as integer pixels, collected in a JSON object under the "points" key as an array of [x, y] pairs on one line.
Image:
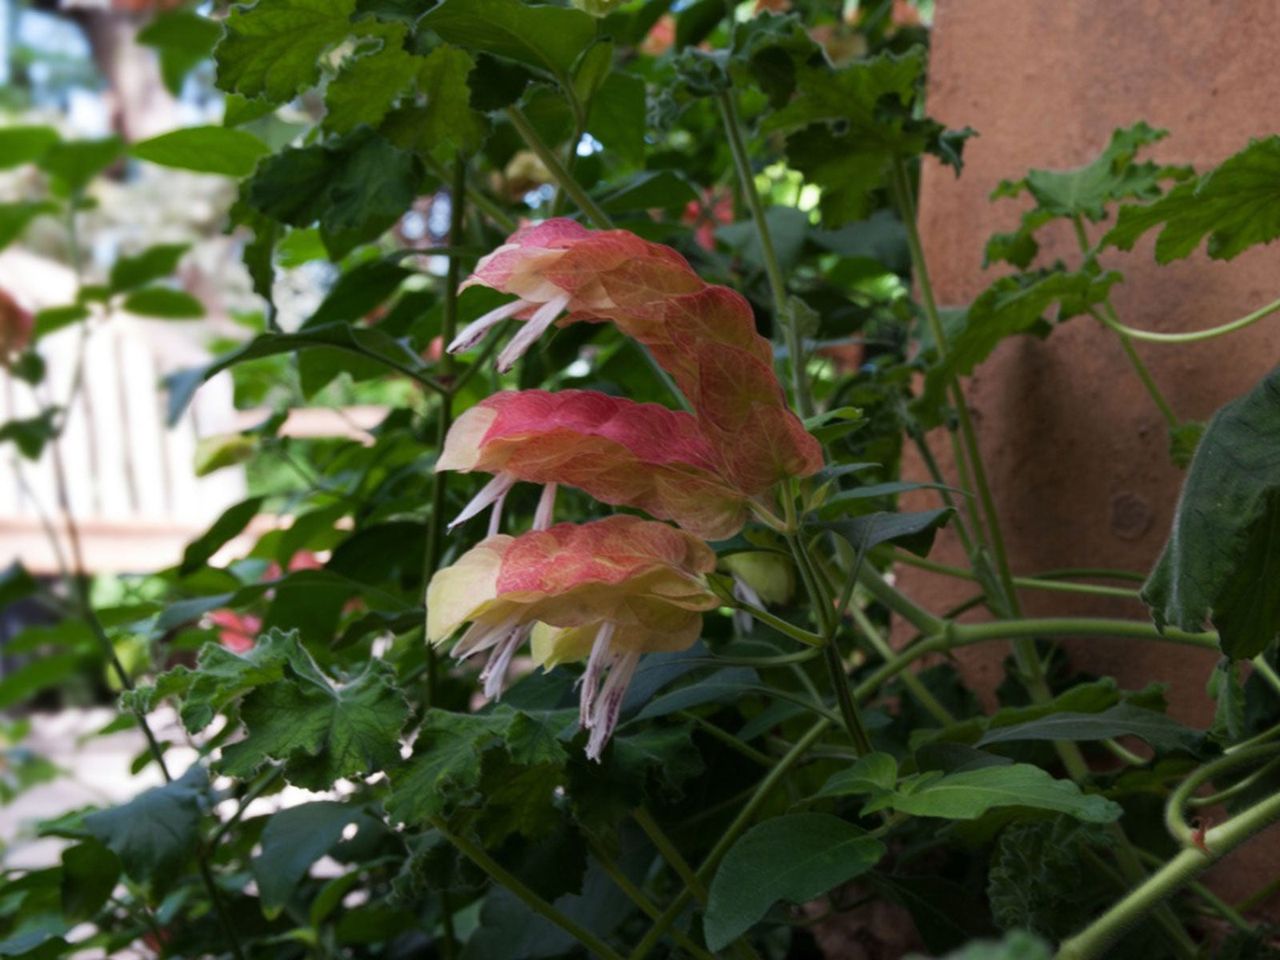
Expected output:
{"points": [[558, 266], [640, 576], [621, 452]]}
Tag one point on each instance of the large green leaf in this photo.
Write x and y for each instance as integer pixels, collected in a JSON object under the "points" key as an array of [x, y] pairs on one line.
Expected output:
{"points": [[153, 263], [320, 728], [14, 217], [181, 39], [73, 164], [446, 122], [163, 302], [89, 873], [205, 149], [548, 37], [1222, 561], [795, 857], [969, 794], [355, 188], [444, 771], [911, 531], [156, 832], [25, 144], [228, 525], [1124, 719], [1011, 305], [1237, 205], [273, 48], [1111, 176], [292, 841], [371, 80], [366, 341]]}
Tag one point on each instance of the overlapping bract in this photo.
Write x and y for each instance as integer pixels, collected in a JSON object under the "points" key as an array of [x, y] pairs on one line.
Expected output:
{"points": [[611, 590], [624, 453]]}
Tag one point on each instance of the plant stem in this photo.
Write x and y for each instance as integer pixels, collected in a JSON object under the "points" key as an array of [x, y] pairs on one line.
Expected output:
{"points": [[637, 896], [501, 876], [1098, 936], [1152, 336], [798, 634], [434, 548], [1216, 903], [899, 603], [558, 172], [848, 709], [1077, 627], [730, 836], [912, 682], [1173, 819], [782, 315], [670, 853], [1028, 583]]}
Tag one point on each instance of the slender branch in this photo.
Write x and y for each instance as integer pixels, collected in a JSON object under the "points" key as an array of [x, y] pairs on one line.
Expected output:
{"points": [[1035, 582], [558, 172], [501, 876], [730, 836], [637, 896], [670, 853], [782, 315], [1095, 939], [1152, 336], [434, 547], [913, 683]]}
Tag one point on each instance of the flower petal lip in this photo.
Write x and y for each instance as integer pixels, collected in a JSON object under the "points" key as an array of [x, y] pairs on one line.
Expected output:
{"points": [[620, 452]]}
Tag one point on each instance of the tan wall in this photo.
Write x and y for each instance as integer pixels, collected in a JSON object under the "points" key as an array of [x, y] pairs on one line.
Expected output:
{"points": [[1075, 448]]}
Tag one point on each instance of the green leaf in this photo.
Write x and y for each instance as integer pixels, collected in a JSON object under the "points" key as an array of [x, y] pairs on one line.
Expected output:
{"points": [[14, 217], [1042, 876], [872, 774], [153, 263], [292, 841], [1228, 693], [223, 150], [156, 832], [73, 164], [911, 531], [796, 858], [969, 794], [1222, 561], [661, 189], [181, 39], [368, 341], [273, 49], [38, 674], [1184, 440], [1011, 305], [1110, 177], [220, 678], [445, 769], [1237, 205], [24, 144], [320, 728], [16, 584], [89, 874], [163, 302], [547, 37], [617, 116], [228, 525], [31, 434], [727, 684], [355, 188], [447, 122], [371, 80], [1124, 719]]}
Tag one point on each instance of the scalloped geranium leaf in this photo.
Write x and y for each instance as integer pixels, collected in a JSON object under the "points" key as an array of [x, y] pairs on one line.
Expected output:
{"points": [[1237, 205]]}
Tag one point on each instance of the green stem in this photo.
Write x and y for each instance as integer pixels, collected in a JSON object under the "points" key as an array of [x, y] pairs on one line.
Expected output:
{"points": [[782, 315], [1029, 583], [798, 634], [670, 853], [1216, 903], [727, 738], [1178, 799], [898, 602], [637, 896], [730, 836], [848, 709], [501, 876], [1077, 627], [1098, 936], [557, 169], [1152, 336], [434, 547], [1144, 374], [909, 679]]}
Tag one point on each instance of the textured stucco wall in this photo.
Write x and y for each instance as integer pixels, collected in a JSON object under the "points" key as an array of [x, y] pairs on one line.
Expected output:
{"points": [[1075, 448]]}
